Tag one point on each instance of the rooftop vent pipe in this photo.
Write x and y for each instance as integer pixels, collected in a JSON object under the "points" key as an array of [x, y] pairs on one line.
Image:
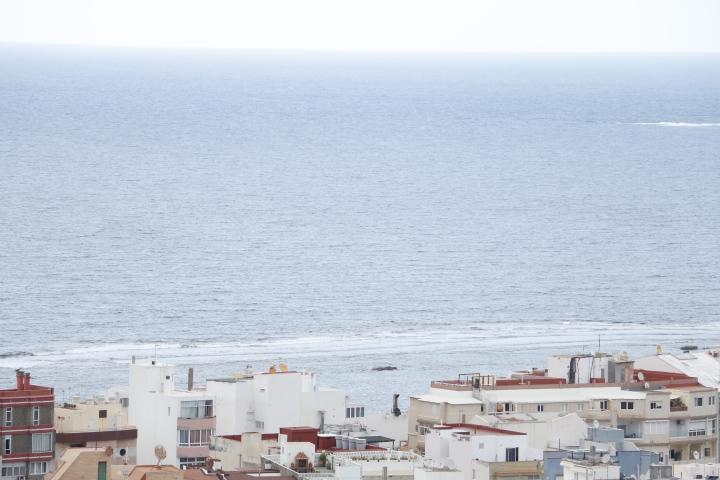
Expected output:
{"points": [[396, 409]]}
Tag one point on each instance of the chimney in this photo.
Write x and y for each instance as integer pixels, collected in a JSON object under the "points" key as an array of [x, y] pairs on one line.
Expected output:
{"points": [[190, 378], [27, 381], [20, 377]]}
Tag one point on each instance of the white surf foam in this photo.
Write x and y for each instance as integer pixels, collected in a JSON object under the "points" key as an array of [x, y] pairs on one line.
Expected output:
{"points": [[680, 124]]}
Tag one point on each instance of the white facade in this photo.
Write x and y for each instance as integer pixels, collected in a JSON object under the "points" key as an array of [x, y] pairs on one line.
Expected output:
{"points": [[265, 402], [579, 368], [155, 408], [389, 425], [576, 470], [543, 430], [466, 448]]}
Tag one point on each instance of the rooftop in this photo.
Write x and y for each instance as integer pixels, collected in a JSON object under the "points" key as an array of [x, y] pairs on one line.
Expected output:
{"points": [[553, 395], [477, 429]]}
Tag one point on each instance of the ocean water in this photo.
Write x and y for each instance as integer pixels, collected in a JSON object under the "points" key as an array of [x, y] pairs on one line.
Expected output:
{"points": [[437, 213]]}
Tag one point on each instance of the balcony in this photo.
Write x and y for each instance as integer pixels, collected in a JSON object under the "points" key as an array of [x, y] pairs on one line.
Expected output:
{"points": [[595, 414], [451, 385], [97, 435]]}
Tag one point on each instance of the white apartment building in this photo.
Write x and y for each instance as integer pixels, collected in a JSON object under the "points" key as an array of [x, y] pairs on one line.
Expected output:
{"points": [[182, 421], [543, 430], [264, 402], [472, 448]]}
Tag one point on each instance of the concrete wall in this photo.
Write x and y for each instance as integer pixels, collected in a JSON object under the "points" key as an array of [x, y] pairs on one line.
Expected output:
{"points": [[82, 466]]}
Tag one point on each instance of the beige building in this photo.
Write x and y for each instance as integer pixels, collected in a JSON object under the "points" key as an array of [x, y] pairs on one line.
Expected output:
{"points": [[676, 418], [95, 464], [447, 402], [236, 452], [98, 422], [85, 464]]}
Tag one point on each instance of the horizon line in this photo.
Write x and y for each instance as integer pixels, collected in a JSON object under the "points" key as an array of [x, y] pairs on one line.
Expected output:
{"points": [[78, 45]]}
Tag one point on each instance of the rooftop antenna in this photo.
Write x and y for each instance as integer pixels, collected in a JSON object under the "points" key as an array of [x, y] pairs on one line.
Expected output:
{"points": [[599, 343]]}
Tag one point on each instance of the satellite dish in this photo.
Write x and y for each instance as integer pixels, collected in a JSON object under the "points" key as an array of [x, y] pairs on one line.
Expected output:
{"points": [[641, 376], [596, 424], [160, 454], [696, 455]]}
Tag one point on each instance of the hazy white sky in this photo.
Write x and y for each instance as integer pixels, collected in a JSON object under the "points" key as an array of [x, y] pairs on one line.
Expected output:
{"points": [[458, 25]]}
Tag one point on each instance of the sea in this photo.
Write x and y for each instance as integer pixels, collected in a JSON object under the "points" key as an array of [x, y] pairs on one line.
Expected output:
{"points": [[436, 213]]}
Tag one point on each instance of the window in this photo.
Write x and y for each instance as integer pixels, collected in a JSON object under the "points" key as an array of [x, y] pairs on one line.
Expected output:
{"points": [[194, 438], [698, 401], [659, 427], [603, 404], [38, 468], [41, 442], [711, 400], [354, 412], [508, 407], [540, 407], [125, 402], [36, 415], [422, 429], [13, 471], [512, 454], [627, 405], [102, 414], [259, 424], [197, 409], [580, 406], [8, 416], [713, 426], [707, 451], [696, 428], [563, 407], [7, 445], [192, 462], [655, 405]]}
